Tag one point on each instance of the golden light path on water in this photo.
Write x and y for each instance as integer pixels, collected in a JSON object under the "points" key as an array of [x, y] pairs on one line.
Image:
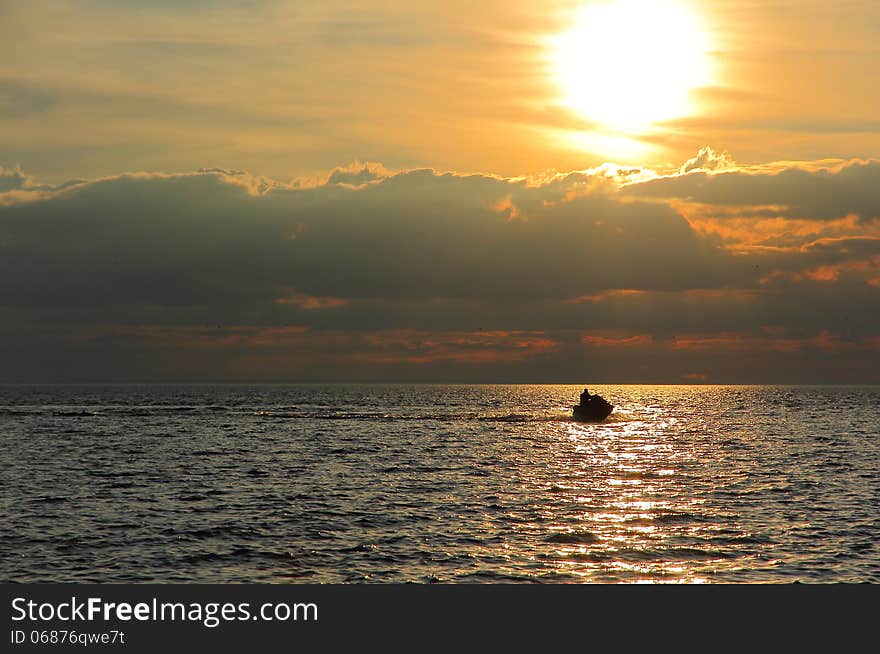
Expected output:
{"points": [[624, 500], [638, 462]]}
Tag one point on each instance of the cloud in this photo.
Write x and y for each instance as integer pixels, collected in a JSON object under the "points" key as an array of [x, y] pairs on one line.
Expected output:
{"points": [[804, 190], [292, 298], [708, 159], [358, 174], [12, 179], [371, 273], [604, 341], [19, 100], [218, 236]]}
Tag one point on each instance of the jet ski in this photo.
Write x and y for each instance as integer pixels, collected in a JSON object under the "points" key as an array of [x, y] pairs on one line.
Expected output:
{"points": [[595, 408]]}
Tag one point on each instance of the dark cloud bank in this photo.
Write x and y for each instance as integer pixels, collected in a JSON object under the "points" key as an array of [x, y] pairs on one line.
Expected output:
{"points": [[419, 275]]}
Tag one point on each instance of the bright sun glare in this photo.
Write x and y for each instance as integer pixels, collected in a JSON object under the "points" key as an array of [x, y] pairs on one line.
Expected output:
{"points": [[628, 64]]}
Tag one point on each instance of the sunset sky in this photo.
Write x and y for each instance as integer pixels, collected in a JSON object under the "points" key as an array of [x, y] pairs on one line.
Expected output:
{"points": [[611, 191]]}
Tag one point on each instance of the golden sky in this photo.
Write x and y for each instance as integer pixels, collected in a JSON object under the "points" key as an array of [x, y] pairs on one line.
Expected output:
{"points": [[672, 190], [93, 87]]}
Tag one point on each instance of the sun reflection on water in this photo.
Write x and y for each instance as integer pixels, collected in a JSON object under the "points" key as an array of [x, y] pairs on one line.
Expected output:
{"points": [[620, 506]]}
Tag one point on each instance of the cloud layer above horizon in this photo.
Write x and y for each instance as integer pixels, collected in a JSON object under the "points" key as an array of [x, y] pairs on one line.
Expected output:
{"points": [[717, 272]]}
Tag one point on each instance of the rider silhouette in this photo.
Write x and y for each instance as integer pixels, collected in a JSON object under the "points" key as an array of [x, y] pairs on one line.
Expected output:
{"points": [[585, 397]]}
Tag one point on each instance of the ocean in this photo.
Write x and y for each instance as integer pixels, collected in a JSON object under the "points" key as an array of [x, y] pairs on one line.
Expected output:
{"points": [[438, 483]]}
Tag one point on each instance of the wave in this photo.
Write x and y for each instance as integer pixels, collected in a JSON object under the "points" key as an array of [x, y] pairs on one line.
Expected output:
{"points": [[297, 413], [10, 411], [572, 538], [414, 417]]}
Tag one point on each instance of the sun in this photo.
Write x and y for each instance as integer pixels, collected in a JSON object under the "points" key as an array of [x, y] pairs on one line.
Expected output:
{"points": [[629, 64]]}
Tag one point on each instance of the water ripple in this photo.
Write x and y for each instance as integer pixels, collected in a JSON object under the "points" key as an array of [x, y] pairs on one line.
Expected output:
{"points": [[438, 483]]}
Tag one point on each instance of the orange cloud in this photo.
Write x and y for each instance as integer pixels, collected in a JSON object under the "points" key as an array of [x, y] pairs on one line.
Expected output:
{"points": [[380, 347], [772, 339], [598, 340], [866, 270], [691, 294], [736, 294], [703, 342], [293, 298], [765, 226], [508, 208], [605, 295], [736, 342]]}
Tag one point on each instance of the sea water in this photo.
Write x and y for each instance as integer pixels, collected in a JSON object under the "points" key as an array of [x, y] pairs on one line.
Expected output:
{"points": [[449, 483]]}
